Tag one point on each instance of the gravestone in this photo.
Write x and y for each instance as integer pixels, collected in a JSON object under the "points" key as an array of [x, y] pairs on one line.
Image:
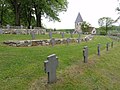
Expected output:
{"points": [[68, 41], [112, 44], [62, 34], [107, 46], [85, 54], [8, 27], [78, 40], [30, 27], [50, 66], [1, 31], [52, 41], [33, 35], [98, 49], [50, 35], [17, 31], [21, 26]]}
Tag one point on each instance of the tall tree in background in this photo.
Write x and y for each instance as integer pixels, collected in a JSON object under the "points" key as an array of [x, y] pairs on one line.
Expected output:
{"points": [[105, 22], [49, 8]]}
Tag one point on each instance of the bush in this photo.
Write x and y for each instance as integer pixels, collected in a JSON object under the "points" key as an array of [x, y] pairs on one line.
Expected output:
{"points": [[102, 33]]}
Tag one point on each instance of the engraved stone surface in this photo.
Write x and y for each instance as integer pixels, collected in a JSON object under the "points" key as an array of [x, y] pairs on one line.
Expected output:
{"points": [[50, 66]]}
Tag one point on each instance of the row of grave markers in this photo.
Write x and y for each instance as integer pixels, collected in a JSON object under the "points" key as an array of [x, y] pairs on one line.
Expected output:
{"points": [[51, 64]]}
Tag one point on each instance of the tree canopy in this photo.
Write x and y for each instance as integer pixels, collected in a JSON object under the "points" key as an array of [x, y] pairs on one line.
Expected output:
{"points": [[30, 12], [105, 22]]}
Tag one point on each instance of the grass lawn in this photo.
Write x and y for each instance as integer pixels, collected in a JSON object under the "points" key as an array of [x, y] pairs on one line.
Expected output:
{"points": [[21, 67]]}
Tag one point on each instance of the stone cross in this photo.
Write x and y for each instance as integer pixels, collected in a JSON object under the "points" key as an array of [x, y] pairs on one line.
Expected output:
{"points": [[33, 35], [8, 26], [21, 26], [98, 49], [50, 34], [78, 40], [112, 44], [68, 41], [107, 46], [30, 27], [62, 34], [52, 41], [85, 54], [1, 32], [50, 66]]}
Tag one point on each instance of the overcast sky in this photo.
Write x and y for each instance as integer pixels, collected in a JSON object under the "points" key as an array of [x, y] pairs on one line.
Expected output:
{"points": [[90, 10]]}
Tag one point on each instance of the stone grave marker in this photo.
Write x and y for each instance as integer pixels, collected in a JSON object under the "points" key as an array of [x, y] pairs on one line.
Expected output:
{"points": [[1, 31], [78, 40], [33, 35], [68, 41], [85, 54], [21, 26], [52, 41], [8, 27], [50, 35], [98, 49], [30, 27], [50, 66], [62, 34], [107, 46]]}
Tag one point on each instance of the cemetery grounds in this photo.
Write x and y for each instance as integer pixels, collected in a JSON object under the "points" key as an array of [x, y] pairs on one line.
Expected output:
{"points": [[22, 68]]}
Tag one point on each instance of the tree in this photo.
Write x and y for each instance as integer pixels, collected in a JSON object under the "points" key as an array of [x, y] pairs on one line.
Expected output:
{"points": [[85, 26], [105, 22], [49, 8]]}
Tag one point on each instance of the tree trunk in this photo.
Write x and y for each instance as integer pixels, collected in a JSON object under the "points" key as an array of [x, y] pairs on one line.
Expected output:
{"points": [[39, 24], [1, 16], [38, 17], [17, 15], [16, 7]]}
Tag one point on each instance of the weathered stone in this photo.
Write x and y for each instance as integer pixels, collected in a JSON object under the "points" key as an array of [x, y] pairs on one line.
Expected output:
{"points": [[50, 66], [85, 54]]}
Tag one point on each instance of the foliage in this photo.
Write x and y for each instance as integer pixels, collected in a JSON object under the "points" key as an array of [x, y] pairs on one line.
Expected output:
{"points": [[85, 26], [23, 11], [105, 22]]}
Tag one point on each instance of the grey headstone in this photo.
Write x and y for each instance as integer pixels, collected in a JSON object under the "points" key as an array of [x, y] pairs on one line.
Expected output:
{"points": [[78, 40], [85, 54], [50, 34], [1, 31], [52, 41], [33, 35], [98, 49], [8, 26], [50, 66], [107, 46], [68, 41], [62, 34], [21, 26], [30, 27]]}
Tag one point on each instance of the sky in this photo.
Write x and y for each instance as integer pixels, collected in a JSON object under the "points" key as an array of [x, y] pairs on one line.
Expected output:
{"points": [[90, 10]]}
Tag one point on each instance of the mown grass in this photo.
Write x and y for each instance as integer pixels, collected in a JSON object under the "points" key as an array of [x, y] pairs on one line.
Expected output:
{"points": [[100, 73], [4, 37], [20, 67]]}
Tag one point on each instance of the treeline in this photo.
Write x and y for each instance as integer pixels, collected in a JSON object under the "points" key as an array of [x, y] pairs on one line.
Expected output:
{"points": [[30, 12]]}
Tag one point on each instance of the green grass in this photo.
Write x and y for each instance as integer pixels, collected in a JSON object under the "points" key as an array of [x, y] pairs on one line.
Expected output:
{"points": [[4, 37], [20, 67]]}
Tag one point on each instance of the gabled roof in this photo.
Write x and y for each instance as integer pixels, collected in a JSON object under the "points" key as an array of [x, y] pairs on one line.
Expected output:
{"points": [[79, 18]]}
